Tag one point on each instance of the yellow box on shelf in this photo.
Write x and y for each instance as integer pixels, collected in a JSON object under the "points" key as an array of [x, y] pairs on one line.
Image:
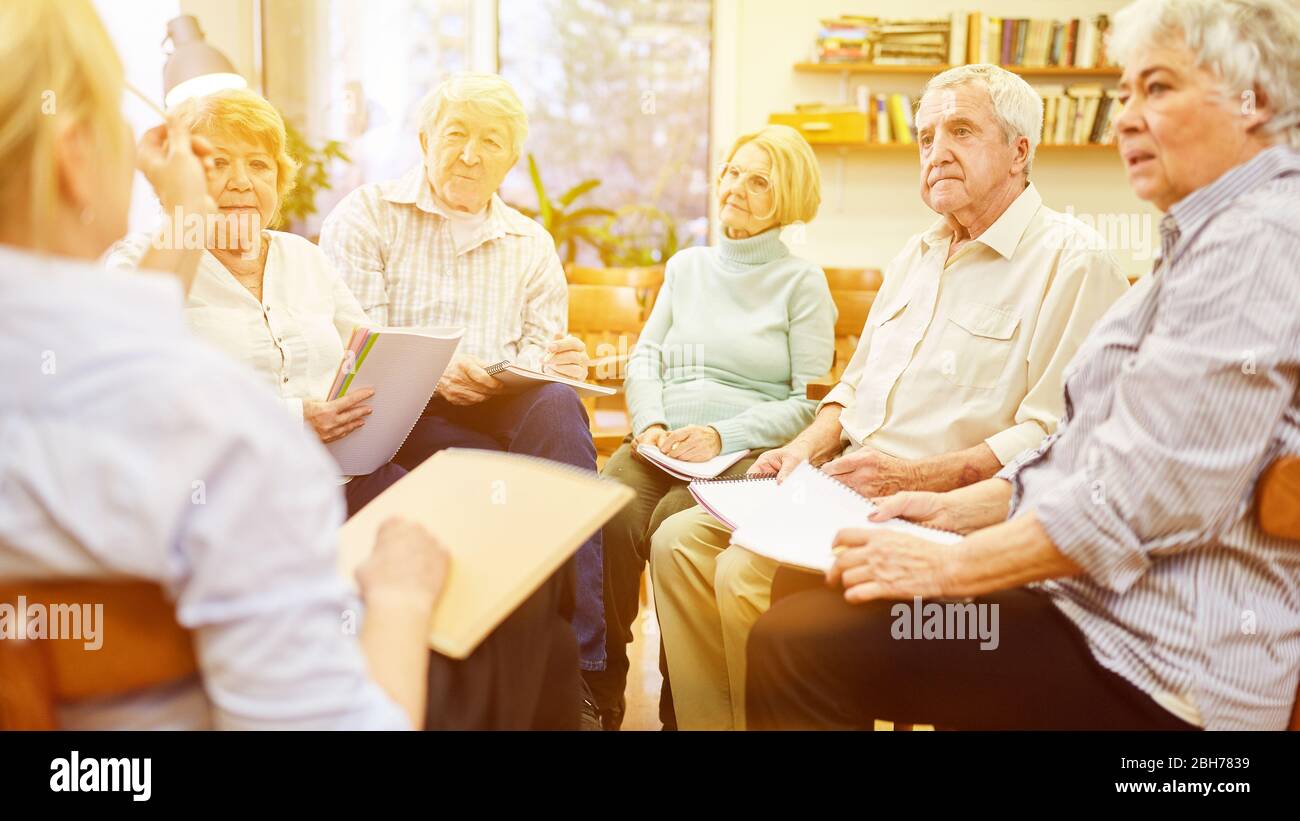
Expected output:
{"points": [[827, 125]]}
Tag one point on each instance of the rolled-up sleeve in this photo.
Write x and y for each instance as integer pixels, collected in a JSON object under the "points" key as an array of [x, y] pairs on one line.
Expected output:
{"points": [[1194, 411], [1086, 284]]}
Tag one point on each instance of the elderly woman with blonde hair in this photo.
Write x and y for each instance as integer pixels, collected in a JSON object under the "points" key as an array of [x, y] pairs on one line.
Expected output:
{"points": [[737, 332]]}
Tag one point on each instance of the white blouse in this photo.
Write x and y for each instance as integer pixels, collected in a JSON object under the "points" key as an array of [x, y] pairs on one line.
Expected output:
{"points": [[294, 337]]}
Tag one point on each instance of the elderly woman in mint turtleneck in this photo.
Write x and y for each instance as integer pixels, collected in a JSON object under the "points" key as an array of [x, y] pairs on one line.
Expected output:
{"points": [[737, 332]]}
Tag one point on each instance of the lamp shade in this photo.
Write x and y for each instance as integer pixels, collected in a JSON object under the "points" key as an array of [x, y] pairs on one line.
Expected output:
{"points": [[194, 68]]}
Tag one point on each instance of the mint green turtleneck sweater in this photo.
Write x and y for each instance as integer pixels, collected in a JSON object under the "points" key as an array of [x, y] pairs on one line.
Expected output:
{"points": [[736, 334]]}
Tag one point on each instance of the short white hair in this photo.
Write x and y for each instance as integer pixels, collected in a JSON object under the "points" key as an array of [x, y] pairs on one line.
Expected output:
{"points": [[1016, 106], [1247, 44], [486, 93]]}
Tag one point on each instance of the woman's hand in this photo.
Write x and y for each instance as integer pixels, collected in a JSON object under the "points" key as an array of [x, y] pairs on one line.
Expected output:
{"points": [[407, 568], [337, 418], [651, 437], [964, 510], [567, 357], [175, 162], [693, 443], [882, 564]]}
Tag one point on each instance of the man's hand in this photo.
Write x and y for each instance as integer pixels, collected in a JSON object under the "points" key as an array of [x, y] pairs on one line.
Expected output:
{"points": [[406, 570], [337, 418], [467, 382], [567, 357], [783, 460], [693, 443], [882, 564], [872, 473]]}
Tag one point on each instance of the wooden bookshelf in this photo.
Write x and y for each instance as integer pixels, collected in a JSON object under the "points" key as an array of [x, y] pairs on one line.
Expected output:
{"points": [[872, 68]]}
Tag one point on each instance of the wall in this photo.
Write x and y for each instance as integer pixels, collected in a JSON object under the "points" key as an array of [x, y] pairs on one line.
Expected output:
{"points": [[870, 201]]}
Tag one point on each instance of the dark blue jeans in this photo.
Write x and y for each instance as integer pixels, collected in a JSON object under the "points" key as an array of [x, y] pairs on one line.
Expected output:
{"points": [[547, 421]]}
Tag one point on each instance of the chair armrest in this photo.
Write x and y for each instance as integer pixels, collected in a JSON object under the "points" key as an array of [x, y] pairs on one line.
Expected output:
{"points": [[819, 388], [1279, 498]]}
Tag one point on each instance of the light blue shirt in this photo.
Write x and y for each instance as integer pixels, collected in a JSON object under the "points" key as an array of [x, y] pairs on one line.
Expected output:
{"points": [[128, 448]]}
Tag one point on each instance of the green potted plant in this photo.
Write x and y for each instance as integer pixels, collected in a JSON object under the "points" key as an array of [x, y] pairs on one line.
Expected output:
{"points": [[566, 227], [313, 174]]}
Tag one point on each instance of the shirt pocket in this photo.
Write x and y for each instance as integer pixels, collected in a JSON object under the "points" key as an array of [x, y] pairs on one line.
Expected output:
{"points": [[976, 343]]}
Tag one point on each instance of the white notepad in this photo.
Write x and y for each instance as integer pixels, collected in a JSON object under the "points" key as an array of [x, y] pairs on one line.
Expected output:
{"points": [[517, 377], [403, 365], [708, 469], [508, 521], [795, 522]]}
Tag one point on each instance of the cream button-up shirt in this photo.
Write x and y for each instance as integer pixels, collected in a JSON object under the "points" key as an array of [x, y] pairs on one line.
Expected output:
{"points": [[969, 350]]}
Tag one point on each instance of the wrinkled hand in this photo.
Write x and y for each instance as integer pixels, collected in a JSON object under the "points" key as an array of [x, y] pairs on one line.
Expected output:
{"points": [[693, 443], [176, 162], [337, 418], [408, 568], [782, 460], [920, 506], [651, 436], [872, 473], [882, 564], [467, 382], [567, 357]]}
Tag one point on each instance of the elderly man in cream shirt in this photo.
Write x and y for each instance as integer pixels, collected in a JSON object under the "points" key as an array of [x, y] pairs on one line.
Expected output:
{"points": [[958, 369]]}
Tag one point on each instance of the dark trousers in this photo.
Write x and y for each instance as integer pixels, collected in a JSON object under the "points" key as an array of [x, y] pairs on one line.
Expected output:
{"points": [[818, 662], [547, 421], [524, 676]]}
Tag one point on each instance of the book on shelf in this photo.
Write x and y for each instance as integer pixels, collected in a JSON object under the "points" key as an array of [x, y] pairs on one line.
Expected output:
{"points": [[1029, 43], [1078, 114]]}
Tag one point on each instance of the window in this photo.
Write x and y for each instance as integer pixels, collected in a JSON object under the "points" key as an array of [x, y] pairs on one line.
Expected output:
{"points": [[616, 90]]}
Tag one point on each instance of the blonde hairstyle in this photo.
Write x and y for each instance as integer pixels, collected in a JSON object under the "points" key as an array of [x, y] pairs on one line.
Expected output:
{"points": [[1245, 43], [60, 68], [486, 94], [796, 176], [244, 115]]}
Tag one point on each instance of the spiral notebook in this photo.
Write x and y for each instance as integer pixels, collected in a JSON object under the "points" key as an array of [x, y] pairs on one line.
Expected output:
{"points": [[403, 365], [795, 522], [681, 469], [508, 521], [517, 377]]}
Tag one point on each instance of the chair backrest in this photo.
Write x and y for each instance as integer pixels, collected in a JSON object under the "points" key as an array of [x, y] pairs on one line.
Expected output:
{"points": [[608, 319], [137, 644], [645, 281], [853, 279], [1277, 498], [853, 307]]}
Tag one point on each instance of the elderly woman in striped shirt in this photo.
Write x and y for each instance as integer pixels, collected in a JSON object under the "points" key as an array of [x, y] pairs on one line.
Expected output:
{"points": [[1135, 588]]}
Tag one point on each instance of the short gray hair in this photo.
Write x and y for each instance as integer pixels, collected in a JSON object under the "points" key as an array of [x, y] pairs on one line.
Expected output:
{"points": [[1247, 44], [1016, 106], [488, 93]]}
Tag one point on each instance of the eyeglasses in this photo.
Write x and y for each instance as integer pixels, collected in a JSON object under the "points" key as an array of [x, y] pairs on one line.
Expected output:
{"points": [[755, 182]]}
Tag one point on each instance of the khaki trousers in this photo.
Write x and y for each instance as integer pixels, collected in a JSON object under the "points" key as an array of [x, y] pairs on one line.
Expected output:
{"points": [[708, 594]]}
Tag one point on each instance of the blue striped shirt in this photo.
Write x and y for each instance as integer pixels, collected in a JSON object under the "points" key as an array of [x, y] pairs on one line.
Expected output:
{"points": [[1180, 398]]}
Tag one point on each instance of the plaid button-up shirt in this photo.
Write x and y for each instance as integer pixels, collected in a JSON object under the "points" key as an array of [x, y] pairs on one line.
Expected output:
{"points": [[506, 286]]}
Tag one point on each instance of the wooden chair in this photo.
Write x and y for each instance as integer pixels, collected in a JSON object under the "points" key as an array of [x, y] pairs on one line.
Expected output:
{"points": [[142, 646], [608, 318], [854, 279], [646, 281], [1278, 508], [853, 307]]}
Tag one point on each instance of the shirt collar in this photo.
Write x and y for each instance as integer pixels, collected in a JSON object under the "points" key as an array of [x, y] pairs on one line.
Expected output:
{"points": [[1003, 236], [412, 188], [1192, 211]]}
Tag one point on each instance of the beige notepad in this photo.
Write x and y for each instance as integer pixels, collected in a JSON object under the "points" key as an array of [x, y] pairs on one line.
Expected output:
{"points": [[508, 521]]}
